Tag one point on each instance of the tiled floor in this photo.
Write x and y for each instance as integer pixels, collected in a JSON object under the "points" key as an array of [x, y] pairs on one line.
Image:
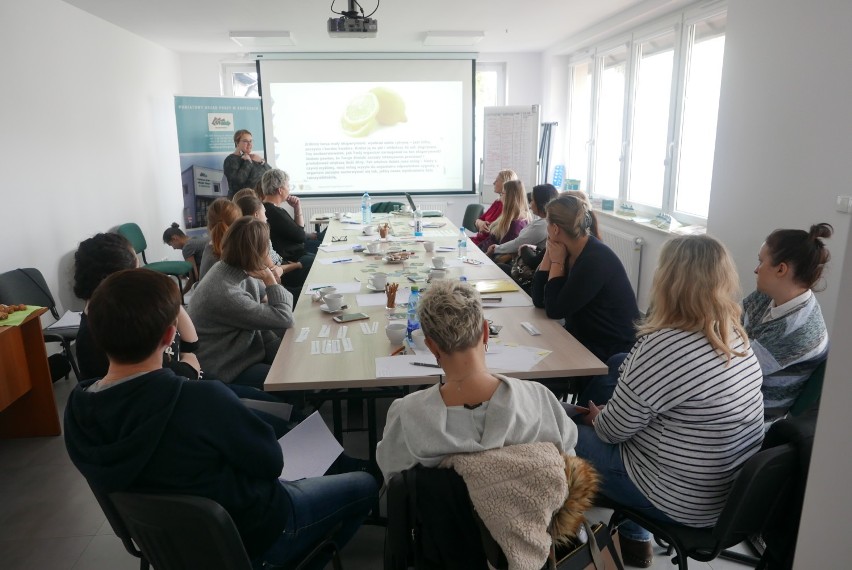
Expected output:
{"points": [[49, 519]]}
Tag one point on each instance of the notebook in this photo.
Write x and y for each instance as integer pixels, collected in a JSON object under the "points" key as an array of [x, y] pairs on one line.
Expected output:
{"points": [[426, 213]]}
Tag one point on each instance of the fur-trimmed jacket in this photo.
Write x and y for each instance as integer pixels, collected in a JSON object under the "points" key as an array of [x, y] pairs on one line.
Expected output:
{"points": [[527, 495]]}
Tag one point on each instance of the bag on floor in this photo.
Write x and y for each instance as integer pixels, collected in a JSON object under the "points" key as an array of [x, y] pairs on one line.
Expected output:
{"points": [[600, 552]]}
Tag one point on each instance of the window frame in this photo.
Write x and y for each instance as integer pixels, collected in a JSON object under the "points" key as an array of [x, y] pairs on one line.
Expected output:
{"points": [[681, 24]]}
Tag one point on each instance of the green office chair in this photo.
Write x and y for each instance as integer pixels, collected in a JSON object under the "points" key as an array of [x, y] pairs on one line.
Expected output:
{"points": [[177, 269], [385, 207], [471, 214]]}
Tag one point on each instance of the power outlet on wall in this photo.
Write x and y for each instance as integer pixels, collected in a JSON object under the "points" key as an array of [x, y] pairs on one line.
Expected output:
{"points": [[844, 204]]}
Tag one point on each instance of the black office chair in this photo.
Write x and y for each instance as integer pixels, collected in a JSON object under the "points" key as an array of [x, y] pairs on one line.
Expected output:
{"points": [[385, 207], [28, 286], [471, 214], [176, 269], [752, 502], [118, 527], [176, 532]]}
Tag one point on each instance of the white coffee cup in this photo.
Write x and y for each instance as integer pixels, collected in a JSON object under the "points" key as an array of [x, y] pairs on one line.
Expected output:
{"points": [[439, 262], [334, 301], [396, 332], [327, 291], [338, 216], [377, 281], [437, 274], [429, 246], [418, 340], [373, 247], [369, 230]]}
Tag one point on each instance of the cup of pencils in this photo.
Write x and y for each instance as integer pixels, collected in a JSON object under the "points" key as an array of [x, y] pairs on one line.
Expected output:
{"points": [[390, 291]]}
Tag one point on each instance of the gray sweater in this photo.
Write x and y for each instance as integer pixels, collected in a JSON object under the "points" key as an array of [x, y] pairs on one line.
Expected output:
{"points": [[421, 429], [236, 330]]}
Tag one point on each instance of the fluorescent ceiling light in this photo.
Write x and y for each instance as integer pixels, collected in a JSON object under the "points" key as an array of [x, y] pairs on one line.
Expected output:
{"points": [[263, 39], [452, 38]]}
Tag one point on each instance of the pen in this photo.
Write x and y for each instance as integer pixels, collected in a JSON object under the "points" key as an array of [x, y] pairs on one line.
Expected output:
{"points": [[342, 260], [398, 350], [427, 364]]}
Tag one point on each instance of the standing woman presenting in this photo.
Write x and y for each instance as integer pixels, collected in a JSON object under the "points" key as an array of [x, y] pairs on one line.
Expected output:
{"points": [[243, 168]]}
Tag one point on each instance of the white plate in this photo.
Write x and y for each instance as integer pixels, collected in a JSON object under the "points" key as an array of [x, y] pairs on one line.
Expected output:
{"points": [[324, 308], [367, 285]]}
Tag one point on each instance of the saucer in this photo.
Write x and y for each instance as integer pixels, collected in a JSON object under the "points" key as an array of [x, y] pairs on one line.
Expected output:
{"points": [[324, 308], [370, 288]]}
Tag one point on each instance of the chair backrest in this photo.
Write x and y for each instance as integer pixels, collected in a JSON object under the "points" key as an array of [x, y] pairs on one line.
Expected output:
{"points": [[471, 214], [134, 235], [763, 479], [180, 531], [26, 286], [811, 392], [116, 522], [385, 207], [432, 524]]}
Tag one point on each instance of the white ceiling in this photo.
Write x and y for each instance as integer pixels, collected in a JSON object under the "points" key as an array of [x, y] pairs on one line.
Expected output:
{"points": [[203, 26]]}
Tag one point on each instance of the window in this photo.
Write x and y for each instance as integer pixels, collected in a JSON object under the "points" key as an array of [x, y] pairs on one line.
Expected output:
{"points": [[649, 107], [490, 85], [578, 127], [239, 80]]}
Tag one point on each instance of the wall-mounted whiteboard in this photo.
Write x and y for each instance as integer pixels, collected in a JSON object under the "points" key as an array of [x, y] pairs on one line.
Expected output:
{"points": [[510, 141]]}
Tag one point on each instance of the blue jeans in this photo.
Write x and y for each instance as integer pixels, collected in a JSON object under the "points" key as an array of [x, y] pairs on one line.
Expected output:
{"points": [[317, 505], [599, 389], [615, 483]]}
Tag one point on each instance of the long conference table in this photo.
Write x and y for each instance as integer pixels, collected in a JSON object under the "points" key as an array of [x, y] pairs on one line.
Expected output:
{"points": [[296, 368]]}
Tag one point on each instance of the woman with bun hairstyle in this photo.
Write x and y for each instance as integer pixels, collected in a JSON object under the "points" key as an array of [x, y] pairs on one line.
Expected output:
{"points": [[192, 250], [783, 318], [495, 209], [243, 168], [220, 215], [582, 281], [512, 220]]}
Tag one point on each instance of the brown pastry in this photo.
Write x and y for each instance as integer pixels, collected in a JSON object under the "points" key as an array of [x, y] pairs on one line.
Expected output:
{"points": [[3, 316]]}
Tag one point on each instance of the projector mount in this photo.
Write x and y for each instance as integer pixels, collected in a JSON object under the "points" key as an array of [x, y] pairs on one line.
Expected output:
{"points": [[352, 24]]}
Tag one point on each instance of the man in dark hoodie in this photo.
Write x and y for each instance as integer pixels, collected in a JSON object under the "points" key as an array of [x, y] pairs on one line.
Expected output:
{"points": [[143, 428]]}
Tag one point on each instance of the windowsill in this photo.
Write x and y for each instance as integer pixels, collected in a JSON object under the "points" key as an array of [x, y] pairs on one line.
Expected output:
{"points": [[646, 223]]}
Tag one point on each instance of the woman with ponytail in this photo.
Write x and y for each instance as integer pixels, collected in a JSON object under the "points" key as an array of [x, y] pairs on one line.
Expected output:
{"points": [[582, 281], [783, 318], [220, 215]]}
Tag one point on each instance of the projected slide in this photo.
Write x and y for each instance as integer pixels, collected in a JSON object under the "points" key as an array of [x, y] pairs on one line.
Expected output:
{"points": [[334, 137]]}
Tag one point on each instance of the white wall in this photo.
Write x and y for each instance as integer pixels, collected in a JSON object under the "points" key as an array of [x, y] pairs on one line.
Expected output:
{"points": [[89, 136], [785, 129], [523, 72]]}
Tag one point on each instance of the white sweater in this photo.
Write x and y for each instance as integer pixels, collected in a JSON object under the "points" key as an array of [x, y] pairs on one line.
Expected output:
{"points": [[686, 421], [421, 429]]}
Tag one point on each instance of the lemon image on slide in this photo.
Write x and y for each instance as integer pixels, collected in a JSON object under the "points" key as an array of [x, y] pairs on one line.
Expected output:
{"points": [[359, 119], [391, 106]]}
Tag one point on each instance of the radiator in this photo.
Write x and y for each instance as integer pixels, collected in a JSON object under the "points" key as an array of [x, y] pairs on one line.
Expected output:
{"points": [[309, 211], [628, 248]]}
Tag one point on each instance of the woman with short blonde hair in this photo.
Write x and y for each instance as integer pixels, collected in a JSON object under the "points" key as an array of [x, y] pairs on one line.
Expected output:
{"points": [[471, 409], [239, 332], [514, 217], [687, 411]]}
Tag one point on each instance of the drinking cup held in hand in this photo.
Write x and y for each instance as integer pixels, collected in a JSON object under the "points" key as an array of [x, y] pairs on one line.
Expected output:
{"points": [[334, 301], [396, 332]]}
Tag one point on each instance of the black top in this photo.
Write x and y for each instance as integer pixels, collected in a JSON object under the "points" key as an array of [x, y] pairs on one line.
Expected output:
{"points": [[242, 173], [595, 299], [165, 434], [288, 237]]}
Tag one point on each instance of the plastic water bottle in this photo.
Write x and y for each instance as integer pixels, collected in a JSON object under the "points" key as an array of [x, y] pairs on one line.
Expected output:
{"points": [[462, 246], [413, 321], [366, 209], [418, 223]]}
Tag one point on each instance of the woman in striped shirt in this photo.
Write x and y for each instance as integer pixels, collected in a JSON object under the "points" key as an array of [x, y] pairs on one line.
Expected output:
{"points": [[687, 410]]}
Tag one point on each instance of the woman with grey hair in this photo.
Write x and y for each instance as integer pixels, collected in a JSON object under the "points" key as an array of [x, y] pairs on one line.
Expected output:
{"points": [[471, 409], [286, 232]]}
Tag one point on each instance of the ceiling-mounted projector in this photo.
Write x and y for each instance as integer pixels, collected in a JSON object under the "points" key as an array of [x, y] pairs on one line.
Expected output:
{"points": [[351, 24]]}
